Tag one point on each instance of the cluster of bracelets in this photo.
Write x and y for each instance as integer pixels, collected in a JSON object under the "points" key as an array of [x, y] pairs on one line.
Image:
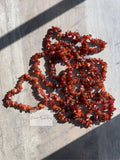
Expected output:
{"points": [[78, 92]]}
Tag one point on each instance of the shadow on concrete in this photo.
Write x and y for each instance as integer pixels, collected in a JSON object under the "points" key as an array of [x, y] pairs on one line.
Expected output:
{"points": [[101, 143], [37, 22]]}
